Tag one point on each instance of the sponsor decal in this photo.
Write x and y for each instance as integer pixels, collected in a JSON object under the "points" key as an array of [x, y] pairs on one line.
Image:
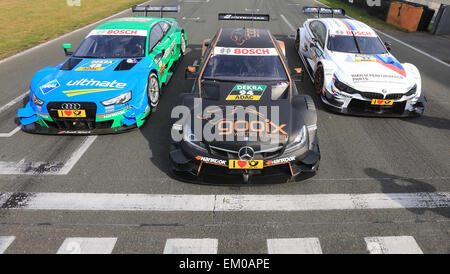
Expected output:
{"points": [[52, 85], [247, 92], [132, 61], [111, 115], [252, 164], [374, 77], [365, 58], [118, 32], [245, 51], [382, 102], [106, 86], [211, 160], [391, 63], [71, 113], [96, 65], [169, 49], [280, 161]]}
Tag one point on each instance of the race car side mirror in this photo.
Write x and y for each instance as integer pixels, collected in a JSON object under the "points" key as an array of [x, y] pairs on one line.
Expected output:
{"points": [[66, 48], [297, 74], [388, 45]]}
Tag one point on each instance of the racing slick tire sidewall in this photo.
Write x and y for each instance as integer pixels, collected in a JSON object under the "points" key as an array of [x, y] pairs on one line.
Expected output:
{"points": [[153, 91], [182, 44], [318, 79]]}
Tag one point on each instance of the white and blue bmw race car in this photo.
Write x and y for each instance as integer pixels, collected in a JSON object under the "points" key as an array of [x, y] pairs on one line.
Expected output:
{"points": [[353, 70]]}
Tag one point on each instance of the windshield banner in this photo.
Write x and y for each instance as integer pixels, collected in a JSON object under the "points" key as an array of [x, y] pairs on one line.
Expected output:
{"points": [[245, 51], [118, 32]]}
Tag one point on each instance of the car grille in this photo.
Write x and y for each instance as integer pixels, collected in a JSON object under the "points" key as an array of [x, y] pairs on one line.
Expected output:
{"points": [[87, 123], [372, 95], [394, 96]]}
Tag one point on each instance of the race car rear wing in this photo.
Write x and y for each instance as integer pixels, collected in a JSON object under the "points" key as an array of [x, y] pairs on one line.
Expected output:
{"points": [[159, 9], [322, 10], [244, 17]]}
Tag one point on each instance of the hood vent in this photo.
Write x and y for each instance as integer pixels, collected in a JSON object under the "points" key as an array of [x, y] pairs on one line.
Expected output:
{"points": [[127, 64], [70, 63]]}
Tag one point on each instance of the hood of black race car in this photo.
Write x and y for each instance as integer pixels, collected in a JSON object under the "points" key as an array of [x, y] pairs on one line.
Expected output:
{"points": [[245, 114]]}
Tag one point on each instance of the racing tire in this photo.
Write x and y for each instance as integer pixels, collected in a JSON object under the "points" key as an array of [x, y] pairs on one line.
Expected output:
{"points": [[297, 41], [153, 91], [318, 79], [182, 44]]}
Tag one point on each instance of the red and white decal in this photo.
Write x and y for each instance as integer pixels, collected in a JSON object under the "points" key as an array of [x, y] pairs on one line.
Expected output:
{"points": [[245, 51], [118, 32]]}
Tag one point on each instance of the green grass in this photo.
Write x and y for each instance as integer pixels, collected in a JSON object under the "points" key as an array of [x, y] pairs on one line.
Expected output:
{"points": [[361, 15], [26, 23]]}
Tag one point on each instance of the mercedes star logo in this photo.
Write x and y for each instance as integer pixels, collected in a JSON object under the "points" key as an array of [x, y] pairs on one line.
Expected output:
{"points": [[246, 153]]}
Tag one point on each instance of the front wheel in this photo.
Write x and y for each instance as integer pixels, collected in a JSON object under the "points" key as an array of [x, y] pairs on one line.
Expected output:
{"points": [[318, 79], [153, 92], [182, 44]]}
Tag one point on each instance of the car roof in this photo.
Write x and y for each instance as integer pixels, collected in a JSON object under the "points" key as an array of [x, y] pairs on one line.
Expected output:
{"points": [[245, 38], [130, 23], [340, 26]]}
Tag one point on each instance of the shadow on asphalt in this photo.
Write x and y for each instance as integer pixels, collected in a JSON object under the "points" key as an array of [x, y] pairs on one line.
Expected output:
{"points": [[396, 184], [430, 122]]}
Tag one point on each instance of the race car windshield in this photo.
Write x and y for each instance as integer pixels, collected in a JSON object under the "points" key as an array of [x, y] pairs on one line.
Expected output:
{"points": [[356, 44], [234, 67], [112, 46]]}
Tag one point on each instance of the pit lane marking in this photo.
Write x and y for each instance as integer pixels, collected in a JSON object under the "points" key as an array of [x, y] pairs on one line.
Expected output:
{"points": [[5, 242], [191, 246], [222, 203], [47, 168], [87, 246], [392, 245], [294, 246]]}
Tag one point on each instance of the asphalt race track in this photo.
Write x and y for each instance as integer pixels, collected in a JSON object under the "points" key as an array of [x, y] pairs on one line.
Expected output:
{"points": [[383, 184]]}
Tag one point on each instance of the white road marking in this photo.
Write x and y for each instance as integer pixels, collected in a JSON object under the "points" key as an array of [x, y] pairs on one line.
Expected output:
{"points": [[87, 246], [11, 133], [65, 35], [392, 245], [5, 242], [401, 42], [13, 102], [294, 246], [47, 168], [213, 203], [191, 246], [287, 22], [75, 157]]}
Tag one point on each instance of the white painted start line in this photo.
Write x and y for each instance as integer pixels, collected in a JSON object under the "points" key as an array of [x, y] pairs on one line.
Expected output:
{"points": [[213, 203], [392, 245], [87, 246], [47, 168], [294, 246], [9, 134], [374, 245], [191, 246], [5, 242]]}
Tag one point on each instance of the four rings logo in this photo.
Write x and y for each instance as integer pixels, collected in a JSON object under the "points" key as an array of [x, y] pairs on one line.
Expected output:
{"points": [[246, 153], [71, 106]]}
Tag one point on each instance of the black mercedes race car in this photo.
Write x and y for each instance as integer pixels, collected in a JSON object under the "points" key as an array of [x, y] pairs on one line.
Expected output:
{"points": [[244, 120]]}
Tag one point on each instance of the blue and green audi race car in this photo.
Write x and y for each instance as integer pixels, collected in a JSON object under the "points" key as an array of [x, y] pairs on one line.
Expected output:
{"points": [[112, 82]]}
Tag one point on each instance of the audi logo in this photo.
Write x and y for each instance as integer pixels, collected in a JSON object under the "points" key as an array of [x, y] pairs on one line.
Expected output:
{"points": [[246, 153], [71, 106]]}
